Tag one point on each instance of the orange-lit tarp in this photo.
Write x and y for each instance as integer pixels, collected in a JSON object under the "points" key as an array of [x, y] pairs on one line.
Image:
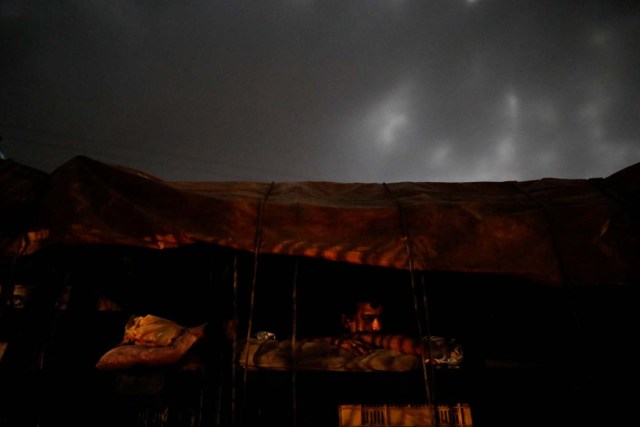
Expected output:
{"points": [[576, 231]]}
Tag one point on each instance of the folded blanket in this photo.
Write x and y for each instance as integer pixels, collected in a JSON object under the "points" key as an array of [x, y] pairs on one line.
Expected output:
{"points": [[278, 355]]}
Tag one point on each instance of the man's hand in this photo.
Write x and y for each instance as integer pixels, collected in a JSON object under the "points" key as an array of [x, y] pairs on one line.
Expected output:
{"points": [[354, 345]]}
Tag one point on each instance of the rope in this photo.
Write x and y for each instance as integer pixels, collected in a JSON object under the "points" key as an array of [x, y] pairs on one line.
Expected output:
{"points": [[566, 285], [294, 302], [601, 185], [234, 344]]}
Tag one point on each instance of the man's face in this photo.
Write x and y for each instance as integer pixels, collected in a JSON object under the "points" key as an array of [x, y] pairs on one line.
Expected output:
{"points": [[366, 318]]}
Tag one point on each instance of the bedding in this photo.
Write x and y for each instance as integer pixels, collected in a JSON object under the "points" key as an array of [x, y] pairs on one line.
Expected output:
{"points": [[277, 355]]}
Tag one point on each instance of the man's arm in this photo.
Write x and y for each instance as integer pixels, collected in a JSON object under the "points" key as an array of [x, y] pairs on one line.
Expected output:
{"points": [[434, 350], [362, 343], [400, 343]]}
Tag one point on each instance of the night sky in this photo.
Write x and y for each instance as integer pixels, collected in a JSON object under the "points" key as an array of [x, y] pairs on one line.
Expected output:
{"points": [[323, 90]]}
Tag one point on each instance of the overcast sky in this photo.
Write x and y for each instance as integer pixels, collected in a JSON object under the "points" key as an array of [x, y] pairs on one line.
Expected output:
{"points": [[347, 91]]}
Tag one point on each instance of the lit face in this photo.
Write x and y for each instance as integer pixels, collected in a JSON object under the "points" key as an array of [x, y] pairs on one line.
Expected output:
{"points": [[366, 319]]}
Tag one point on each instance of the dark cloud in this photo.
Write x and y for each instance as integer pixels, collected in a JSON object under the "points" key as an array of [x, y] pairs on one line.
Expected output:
{"points": [[393, 90]]}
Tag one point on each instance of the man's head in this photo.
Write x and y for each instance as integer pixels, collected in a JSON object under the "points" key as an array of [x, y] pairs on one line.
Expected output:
{"points": [[365, 318]]}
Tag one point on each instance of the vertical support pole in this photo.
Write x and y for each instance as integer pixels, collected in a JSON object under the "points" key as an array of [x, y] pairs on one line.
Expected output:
{"points": [[427, 370], [256, 253]]}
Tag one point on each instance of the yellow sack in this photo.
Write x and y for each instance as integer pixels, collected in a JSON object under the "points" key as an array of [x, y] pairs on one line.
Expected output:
{"points": [[151, 330]]}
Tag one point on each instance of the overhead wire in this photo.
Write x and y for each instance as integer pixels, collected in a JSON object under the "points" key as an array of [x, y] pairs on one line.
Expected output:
{"points": [[143, 154]]}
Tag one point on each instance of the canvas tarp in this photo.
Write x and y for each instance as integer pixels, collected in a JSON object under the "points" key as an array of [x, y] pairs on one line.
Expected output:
{"points": [[574, 231]]}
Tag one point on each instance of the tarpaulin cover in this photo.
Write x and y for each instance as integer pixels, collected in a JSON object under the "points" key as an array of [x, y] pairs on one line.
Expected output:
{"points": [[576, 231]]}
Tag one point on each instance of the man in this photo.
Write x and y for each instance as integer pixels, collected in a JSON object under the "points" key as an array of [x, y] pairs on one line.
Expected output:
{"points": [[365, 318], [364, 334], [363, 331]]}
